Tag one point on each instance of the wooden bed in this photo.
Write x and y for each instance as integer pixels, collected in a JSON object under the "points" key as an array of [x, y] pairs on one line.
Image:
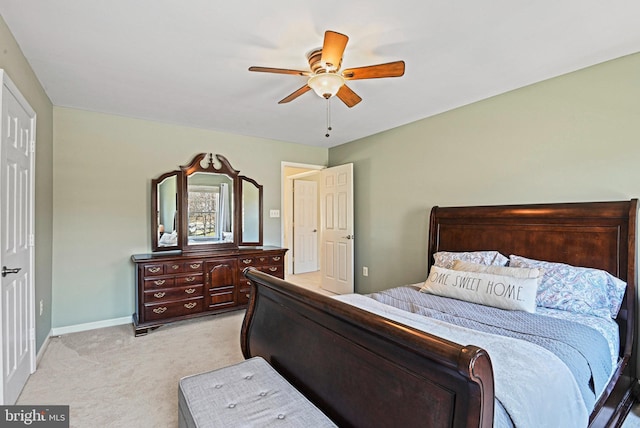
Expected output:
{"points": [[364, 370]]}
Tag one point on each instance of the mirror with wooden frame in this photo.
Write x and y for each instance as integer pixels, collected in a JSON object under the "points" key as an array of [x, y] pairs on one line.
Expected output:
{"points": [[164, 211], [205, 206]]}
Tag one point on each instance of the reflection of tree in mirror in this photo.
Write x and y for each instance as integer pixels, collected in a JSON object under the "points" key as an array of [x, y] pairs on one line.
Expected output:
{"points": [[203, 207]]}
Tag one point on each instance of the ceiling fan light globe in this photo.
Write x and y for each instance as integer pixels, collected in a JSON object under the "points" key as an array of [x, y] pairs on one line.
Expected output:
{"points": [[326, 85]]}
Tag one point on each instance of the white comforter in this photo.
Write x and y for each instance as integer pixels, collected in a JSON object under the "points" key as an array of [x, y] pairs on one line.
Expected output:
{"points": [[532, 401]]}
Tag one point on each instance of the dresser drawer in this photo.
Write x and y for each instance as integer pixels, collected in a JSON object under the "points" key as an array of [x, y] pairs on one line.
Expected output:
{"points": [[193, 266], [259, 262], [245, 262], [154, 269], [243, 282], [276, 260], [244, 291], [191, 279], [176, 293], [151, 284], [173, 267], [169, 268], [277, 271], [166, 310]]}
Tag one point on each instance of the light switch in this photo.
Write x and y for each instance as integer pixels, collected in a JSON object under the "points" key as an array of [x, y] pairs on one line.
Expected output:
{"points": [[274, 213]]}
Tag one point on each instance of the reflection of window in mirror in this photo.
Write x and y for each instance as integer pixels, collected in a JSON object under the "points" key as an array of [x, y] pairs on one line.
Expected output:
{"points": [[210, 208]]}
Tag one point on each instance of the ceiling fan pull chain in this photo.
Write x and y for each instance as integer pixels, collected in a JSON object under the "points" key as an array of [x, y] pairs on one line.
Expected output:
{"points": [[328, 117]]}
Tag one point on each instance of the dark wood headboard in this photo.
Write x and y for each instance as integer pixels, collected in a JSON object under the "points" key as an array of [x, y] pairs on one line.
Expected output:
{"points": [[595, 234]]}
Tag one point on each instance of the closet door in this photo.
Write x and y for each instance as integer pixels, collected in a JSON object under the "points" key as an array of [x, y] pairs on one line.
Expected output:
{"points": [[305, 226], [17, 171]]}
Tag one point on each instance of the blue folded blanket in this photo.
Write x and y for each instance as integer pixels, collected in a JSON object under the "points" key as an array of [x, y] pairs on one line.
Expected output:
{"points": [[583, 349]]}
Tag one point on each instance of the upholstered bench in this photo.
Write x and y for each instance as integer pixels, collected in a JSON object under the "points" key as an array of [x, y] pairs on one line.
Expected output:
{"points": [[247, 394]]}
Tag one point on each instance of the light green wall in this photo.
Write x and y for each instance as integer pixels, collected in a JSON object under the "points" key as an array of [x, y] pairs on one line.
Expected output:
{"points": [[102, 176], [572, 138], [19, 71]]}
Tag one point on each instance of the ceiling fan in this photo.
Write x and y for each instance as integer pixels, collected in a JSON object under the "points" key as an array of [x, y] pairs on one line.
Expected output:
{"points": [[325, 77]]}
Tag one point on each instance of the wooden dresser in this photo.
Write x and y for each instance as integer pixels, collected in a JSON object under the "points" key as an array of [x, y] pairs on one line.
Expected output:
{"points": [[173, 286]]}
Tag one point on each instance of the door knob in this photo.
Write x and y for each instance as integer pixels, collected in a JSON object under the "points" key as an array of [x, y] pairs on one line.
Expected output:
{"points": [[6, 271], [348, 237]]}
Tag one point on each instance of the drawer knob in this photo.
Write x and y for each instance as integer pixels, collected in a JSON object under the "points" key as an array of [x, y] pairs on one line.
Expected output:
{"points": [[159, 294], [190, 290], [160, 281], [273, 269], [194, 265], [190, 305], [160, 310], [190, 279], [174, 267], [154, 269], [276, 258], [246, 261]]}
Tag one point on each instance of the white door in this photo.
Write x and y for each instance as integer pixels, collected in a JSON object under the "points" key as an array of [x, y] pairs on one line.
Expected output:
{"points": [[17, 167], [336, 208], [305, 226]]}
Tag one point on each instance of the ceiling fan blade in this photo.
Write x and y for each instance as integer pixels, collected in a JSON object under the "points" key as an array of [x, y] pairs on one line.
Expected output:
{"points": [[347, 96], [332, 49], [295, 94], [280, 71], [390, 69]]}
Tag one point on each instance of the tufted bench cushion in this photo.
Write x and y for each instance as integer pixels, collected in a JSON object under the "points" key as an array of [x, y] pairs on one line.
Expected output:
{"points": [[247, 394]]}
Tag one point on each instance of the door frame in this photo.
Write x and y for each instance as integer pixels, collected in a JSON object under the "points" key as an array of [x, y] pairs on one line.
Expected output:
{"points": [[286, 196]]}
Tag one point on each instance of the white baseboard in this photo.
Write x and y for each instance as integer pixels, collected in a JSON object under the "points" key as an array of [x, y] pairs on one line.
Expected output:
{"points": [[58, 331]]}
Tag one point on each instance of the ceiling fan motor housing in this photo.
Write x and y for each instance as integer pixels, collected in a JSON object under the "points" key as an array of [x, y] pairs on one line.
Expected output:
{"points": [[315, 61]]}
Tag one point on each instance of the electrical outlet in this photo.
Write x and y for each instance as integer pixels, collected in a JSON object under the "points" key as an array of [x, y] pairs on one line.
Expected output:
{"points": [[41, 306], [274, 213], [365, 271]]}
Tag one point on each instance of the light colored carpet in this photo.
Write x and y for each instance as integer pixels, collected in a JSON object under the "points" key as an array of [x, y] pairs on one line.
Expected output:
{"points": [[110, 378]]}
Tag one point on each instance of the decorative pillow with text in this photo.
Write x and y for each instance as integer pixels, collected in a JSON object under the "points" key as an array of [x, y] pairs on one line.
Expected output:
{"points": [[500, 291]]}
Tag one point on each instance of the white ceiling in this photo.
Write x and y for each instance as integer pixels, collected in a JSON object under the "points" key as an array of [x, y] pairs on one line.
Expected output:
{"points": [[185, 62]]}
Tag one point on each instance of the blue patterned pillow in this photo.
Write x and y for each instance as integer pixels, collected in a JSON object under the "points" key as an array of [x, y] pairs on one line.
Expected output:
{"points": [[445, 259], [576, 289]]}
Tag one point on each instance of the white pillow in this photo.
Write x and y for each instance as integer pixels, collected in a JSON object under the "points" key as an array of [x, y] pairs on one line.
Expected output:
{"points": [[517, 272], [500, 291], [168, 239]]}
